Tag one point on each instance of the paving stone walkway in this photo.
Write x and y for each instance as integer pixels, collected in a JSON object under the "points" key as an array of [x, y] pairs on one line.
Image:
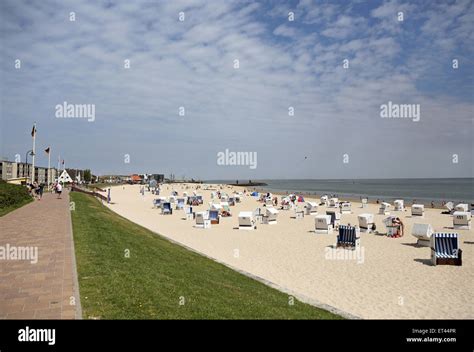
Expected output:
{"points": [[47, 289]]}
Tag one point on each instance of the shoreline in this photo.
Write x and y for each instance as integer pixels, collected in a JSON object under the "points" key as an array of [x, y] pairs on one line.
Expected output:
{"points": [[356, 196], [316, 195]]}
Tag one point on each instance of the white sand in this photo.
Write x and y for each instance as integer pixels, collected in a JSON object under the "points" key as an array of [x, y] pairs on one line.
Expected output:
{"points": [[395, 280]]}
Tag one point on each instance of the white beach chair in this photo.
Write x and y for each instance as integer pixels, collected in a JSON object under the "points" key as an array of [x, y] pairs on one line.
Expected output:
{"points": [[346, 208], [311, 208], [247, 221], [215, 206], [188, 213], [462, 220], [202, 220], [324, 200], [423, 233], [445, 249], [461, 207], [322, 224], [385, 208], [418, 210], [335, 216], [366, 222], [271, 215], [334, 203], [449, 206], [258, 214], [298, 214], [225, 209], [399, 205], [391, 229], [364, 202]]}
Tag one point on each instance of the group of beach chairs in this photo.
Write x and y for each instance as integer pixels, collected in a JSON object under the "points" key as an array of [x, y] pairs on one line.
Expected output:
{"points": [[445, 248]]}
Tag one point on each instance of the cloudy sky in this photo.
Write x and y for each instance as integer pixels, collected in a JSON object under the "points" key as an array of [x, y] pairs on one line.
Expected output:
{"points": [[191, 63]]}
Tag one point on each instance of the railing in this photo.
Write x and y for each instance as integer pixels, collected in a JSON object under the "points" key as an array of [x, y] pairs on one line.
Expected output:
{"points": [[91, 193]]}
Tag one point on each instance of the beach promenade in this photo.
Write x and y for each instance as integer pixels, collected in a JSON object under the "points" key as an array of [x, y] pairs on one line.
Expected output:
{"points": [[390, 278], [42, 286]]}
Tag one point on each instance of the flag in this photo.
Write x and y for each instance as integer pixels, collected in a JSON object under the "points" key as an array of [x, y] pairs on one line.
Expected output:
{"points": [[63, 162], [33, 131], [47, 150]]}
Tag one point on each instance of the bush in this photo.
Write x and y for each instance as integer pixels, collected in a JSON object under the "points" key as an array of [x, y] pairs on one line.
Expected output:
{"points": [[11, 195]]}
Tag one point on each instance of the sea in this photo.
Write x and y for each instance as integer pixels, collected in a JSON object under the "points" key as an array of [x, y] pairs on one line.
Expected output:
{"points": [[423, 190]]}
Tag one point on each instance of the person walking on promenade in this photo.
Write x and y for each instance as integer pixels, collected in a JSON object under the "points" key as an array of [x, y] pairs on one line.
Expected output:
{"points": [[59, 190], [40, 191]]}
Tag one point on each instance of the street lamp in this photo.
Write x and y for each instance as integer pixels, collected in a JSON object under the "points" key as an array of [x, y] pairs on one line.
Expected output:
{"points": [[29, 152]]}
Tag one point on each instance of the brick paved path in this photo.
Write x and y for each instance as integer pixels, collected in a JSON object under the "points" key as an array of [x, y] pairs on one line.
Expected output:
{"points": [[42, 290]]}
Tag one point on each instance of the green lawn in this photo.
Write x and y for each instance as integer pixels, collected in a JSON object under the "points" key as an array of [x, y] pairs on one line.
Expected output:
{"points": [[159, 275]]}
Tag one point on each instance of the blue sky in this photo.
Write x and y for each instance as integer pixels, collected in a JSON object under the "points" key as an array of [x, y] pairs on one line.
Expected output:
{"points": [[282, 63]]}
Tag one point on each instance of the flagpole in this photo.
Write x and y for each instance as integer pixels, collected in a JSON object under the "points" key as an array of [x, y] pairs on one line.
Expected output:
{"points": [[34, 154], [49, 169]]}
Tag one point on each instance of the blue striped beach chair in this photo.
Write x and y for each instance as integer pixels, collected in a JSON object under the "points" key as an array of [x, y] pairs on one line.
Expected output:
{"points": [[180, 204], [166, 208], [214, 216], [445, 249], [349, 237]]}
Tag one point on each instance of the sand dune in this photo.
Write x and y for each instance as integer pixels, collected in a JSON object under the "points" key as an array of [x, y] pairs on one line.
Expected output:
{"points": [[391, 279]]}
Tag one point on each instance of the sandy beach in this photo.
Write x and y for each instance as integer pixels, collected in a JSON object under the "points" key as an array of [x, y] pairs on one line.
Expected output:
{"points": [[391, 278]]}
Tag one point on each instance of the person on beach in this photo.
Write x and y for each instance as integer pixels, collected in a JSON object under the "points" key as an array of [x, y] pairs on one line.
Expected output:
{"points": [[398, 222], [59, 190]]}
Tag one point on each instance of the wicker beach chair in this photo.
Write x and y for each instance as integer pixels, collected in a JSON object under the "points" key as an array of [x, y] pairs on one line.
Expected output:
{"points": [[445, 249], [214, 216], [166, 208], [180, 203], [349, 237]]}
